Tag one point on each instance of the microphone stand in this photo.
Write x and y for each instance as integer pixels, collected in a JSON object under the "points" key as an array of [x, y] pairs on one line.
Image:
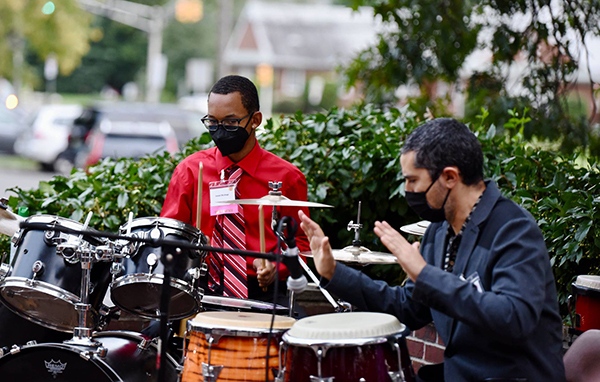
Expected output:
{"points": [[165, 297]]}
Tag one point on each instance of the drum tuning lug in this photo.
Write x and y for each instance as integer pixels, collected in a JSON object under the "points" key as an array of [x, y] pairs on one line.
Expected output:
{"points": [[151, 260], [85, 355], [394, 376], [31, 343], [102, 352], [5, 270], [116, 269], [203, 269], [211, 373], [38, 268], [15, 349], [193, 274]]}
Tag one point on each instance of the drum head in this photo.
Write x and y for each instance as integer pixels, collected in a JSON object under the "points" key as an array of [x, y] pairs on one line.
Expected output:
{"points": [[341, 328], [260, 322], [42, 303], [139, 294]]}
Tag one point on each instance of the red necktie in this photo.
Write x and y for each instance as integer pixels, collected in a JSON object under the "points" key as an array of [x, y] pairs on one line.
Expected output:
{"points": [[230, 232]]}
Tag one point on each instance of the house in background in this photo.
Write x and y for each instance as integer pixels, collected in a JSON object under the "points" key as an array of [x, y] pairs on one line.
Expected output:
{"points": [[292, 51]]}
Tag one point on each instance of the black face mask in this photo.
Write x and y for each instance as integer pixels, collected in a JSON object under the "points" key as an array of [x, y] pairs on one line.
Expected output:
{"points": [[418, 202], [229, 142]]}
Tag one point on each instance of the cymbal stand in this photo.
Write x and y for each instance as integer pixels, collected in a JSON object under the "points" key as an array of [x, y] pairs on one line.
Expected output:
{"points": [[341, 307], [275, 191], [356, 227]]}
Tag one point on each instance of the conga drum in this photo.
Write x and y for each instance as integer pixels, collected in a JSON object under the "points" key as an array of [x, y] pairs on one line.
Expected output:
{"points": [[344, 347], [233, 346], [586, 290]]}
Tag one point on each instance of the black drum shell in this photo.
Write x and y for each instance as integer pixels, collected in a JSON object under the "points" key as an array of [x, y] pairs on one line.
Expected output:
{"points": [[125, 360]]}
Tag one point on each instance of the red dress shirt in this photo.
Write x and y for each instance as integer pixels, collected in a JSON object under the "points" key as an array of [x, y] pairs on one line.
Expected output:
{"points": [[260, 167]]}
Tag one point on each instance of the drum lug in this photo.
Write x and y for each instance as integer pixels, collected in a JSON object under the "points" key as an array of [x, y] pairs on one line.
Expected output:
{"points": [[116, 269], [320, 354], [193, 274], [210, 372], [15, 349], [395, 376], [5, 270]]}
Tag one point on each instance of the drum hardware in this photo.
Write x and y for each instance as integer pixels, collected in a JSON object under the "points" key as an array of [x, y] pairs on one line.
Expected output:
{"points": [[356, 227]]}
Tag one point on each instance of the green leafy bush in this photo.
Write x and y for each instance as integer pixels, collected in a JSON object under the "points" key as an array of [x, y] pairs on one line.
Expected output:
{"points": [[351, 156]]}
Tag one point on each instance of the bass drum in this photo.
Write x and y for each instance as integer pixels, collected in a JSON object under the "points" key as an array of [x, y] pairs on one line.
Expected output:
{"points": [[122, 356], [15, 330]]}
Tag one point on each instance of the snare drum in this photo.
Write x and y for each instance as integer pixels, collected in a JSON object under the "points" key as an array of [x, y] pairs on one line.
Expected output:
{"points": [[586, 290], [138, 277], [121, 356], [43, 285], [233, 346], [353, 346], [220, 303]]}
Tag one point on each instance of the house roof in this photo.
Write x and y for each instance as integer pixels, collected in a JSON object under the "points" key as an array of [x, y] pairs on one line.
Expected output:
{"points": [[301, 36]]}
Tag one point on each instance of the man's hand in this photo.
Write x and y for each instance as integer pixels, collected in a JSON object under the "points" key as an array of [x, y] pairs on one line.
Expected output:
{"points": [[265, 274], [319, 246], [408, 255]]}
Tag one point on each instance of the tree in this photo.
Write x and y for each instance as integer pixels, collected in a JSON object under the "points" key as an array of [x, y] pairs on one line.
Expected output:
{"points": [[426, 41], [44, 27]]}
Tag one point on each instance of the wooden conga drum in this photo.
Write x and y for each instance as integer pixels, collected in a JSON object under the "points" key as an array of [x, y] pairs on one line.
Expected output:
{"points": [[233, 346]]}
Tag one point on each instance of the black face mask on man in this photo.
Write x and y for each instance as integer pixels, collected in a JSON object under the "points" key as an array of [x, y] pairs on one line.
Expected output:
{"points": [[229, 142], [418, 202]]}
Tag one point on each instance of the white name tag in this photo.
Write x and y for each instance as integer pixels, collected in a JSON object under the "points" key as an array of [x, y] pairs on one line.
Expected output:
{"points": [[221, 192]]}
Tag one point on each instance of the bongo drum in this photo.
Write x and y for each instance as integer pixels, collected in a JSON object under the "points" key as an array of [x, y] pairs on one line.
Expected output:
{"points": [[352, 346], [586, 290], [233, 346]]}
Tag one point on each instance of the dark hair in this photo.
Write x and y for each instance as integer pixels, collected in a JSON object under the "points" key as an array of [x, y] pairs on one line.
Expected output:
{"points": [[444, 142], [232, 84]]}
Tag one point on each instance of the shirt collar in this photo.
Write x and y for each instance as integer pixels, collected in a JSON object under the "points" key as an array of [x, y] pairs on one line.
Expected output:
{"points": [[249, 163]]}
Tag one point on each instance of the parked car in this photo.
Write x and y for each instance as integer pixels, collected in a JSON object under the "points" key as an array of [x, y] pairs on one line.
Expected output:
{"points": [[47, 134], [186, 124], [11, 126], [126, 139]]}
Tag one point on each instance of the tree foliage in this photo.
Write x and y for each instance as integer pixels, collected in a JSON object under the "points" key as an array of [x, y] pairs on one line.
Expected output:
{"points": [[426, 41], [65, 33]]}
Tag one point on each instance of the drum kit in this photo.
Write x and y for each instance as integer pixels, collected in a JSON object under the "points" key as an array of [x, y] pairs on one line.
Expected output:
{"points": [[62, 273]]}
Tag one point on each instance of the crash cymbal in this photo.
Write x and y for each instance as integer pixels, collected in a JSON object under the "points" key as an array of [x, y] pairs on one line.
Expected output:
{"points": [[9, 222], [417, 228], [276, 200], [361, 255]]}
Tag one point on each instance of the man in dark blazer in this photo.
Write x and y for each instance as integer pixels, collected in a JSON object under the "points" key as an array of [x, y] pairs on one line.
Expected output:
{"points": [[481, 272]]}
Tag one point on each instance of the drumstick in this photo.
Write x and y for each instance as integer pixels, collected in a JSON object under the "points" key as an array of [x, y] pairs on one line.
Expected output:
{"points": [[199, 205], [261, 231]]}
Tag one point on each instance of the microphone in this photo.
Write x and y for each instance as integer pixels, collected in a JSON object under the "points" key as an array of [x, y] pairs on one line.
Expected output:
{"points": [[296, 281]]}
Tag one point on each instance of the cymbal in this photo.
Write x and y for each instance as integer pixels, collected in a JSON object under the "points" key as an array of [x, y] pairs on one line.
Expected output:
{"points": [[361, 255], [276, 200], [417, 228], [9, 222]]}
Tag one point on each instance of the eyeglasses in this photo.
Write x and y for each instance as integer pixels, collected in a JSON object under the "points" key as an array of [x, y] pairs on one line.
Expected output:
{"points": [[229, 124]]}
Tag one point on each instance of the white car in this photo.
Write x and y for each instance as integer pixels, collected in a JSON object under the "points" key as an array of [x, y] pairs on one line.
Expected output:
{"points": [[48, 134]]}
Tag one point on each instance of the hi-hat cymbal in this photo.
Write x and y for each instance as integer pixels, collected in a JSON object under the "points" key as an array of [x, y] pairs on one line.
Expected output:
{"points": [[276, 200], [417, 228], [361, 255]]}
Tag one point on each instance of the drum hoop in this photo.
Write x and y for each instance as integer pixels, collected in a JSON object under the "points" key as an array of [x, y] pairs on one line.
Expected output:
{"points": [[176, 226], [232, 331], [61, 221], [54, 291], [195, 293], [258, 305], [140, 278], [344, 342]]}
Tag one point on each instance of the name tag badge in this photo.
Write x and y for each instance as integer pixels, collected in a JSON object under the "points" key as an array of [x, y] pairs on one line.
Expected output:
{"points": [[221, 192]]}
